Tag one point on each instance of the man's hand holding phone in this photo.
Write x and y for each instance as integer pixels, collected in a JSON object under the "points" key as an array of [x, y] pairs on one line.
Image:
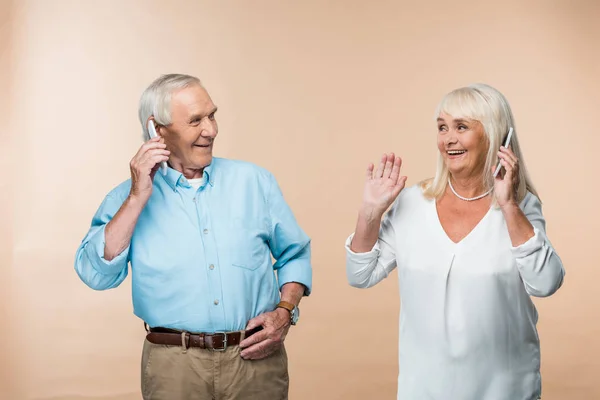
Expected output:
{"points": [[144, 165]]}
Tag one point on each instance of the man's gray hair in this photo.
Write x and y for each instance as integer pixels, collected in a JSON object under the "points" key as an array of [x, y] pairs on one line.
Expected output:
{"points": [[156, 99]]}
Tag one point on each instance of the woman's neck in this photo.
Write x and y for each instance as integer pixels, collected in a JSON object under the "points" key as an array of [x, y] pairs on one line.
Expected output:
{"points": [[470, 186]]}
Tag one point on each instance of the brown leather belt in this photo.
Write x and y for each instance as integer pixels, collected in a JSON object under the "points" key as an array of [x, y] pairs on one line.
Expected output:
{"points": [[215, 341]]}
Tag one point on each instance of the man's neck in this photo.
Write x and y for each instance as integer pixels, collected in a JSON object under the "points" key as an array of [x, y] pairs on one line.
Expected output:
{"points": [[189, 173], [192, 173]]}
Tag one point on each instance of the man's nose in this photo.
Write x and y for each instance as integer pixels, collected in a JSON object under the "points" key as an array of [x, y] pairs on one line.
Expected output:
{"points": [[209, 130]]}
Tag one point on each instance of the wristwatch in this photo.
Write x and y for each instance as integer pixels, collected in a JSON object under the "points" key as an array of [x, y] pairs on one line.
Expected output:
{"points": [[294, 311]]}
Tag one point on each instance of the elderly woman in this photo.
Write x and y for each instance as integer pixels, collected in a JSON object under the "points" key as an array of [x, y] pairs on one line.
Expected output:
{"points": [[471, 248]]}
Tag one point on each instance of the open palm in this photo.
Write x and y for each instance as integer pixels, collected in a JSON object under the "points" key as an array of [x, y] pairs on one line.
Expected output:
{"points": [[383, 185]]}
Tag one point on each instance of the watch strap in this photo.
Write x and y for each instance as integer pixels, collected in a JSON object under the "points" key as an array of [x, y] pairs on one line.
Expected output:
{"points": [[288, 306]]}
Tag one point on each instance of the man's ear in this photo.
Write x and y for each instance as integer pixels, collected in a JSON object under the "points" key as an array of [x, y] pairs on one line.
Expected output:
{"points": [[159, 128]]}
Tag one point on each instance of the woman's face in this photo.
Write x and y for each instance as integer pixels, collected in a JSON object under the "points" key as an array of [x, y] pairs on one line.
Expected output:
{"points": [[463, 145]]}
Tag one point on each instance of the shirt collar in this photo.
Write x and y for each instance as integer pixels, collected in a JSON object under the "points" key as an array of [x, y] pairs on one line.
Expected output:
{"points": [[175, 178]]}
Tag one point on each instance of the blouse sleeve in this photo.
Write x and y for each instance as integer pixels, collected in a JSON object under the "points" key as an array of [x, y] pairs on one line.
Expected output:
{"points": [[364, 270], [541, 269]]}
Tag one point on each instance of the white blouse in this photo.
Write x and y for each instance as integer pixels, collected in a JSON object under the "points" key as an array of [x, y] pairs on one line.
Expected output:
{"points": [[467, 322]]}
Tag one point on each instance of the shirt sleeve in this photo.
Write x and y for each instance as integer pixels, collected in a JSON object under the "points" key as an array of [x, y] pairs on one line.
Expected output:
{"points": [[91, 266], [289, 244], [541, 269], [364, 270]]}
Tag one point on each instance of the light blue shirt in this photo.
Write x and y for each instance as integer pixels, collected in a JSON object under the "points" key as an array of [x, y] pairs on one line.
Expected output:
{"points": [[202, 260]]}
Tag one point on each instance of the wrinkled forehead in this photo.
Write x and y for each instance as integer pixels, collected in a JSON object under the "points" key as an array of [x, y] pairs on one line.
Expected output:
{"points": [[192, 100]]}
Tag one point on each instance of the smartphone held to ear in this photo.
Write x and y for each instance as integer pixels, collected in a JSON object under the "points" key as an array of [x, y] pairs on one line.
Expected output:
{"points": [[506, 143], [152, 132]]}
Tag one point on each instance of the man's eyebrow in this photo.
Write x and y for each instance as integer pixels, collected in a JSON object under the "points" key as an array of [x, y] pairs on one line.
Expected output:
{"points": [[200, 116]]}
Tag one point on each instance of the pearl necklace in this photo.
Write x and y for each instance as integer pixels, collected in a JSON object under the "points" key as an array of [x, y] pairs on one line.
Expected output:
{"points": [[465, 198]]}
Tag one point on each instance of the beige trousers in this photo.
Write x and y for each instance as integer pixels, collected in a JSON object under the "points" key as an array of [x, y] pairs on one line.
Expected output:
{"points": [[173, 373]]}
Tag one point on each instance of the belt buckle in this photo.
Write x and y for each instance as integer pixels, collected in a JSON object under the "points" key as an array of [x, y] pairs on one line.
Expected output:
{"points": [[224, 341]]}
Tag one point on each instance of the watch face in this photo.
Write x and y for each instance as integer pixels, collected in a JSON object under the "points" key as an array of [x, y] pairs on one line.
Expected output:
{"points": [[295, 315]]}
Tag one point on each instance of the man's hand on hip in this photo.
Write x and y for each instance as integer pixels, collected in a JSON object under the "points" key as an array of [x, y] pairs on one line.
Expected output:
{"points": [[263, 343]]}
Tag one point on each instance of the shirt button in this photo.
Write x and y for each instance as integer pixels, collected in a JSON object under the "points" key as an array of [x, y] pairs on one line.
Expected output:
{"points": [[205, 231], [216, 302], [211, 266]]}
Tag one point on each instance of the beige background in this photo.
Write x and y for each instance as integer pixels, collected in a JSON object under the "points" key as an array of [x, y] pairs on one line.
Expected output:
{"points": [[313, 91]]}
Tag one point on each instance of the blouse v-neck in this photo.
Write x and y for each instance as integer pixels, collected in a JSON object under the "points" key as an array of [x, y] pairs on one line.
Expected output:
{"points": [[440, 227]]}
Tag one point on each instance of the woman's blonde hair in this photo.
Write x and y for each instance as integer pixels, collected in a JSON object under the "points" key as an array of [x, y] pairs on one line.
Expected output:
{"points": [[487, 105]]}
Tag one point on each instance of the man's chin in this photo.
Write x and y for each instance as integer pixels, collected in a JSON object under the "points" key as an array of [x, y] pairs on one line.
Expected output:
{"points": [[203, 162], [207, 160]]}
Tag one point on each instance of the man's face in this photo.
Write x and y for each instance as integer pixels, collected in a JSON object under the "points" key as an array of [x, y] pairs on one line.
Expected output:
{"points": [[192, 131]]}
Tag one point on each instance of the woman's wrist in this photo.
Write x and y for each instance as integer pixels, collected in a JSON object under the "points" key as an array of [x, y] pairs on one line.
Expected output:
{"points": [[509, 207], [370, 214]]}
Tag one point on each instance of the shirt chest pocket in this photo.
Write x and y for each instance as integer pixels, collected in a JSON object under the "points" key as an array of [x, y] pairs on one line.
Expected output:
{"points": [[248, 247]]}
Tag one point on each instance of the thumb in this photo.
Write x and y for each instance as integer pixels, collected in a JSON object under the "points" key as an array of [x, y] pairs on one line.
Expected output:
{"points": [[255, 322], [402, 181], [398, 187], [153, 170]]}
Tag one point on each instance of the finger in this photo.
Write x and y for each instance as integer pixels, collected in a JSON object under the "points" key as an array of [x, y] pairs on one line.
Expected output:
{"points": [[150, 163], [396, 169], [158, 152], [256, 322], [506, 157], [508, 168], [149, 146], [254, 339], [510, 154], [370, 171], [379, 171], [154, 170], [153, 145], [399, 186], [258, 336], [258, 351], [154, 152], [157, 139], [149, 159], [159, 159], [389, 162]]}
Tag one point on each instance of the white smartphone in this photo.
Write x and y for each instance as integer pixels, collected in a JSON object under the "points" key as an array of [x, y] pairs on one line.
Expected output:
{"points": [[506, 143], [152, 132]]}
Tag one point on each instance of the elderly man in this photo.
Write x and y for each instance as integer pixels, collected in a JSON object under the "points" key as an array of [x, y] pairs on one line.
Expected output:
{"points": [[199, 235]]}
